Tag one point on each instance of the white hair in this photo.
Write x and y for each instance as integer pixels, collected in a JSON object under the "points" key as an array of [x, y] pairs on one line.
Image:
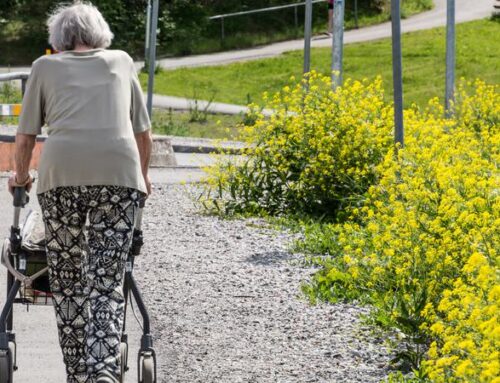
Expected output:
{"points": [[78, 24]]}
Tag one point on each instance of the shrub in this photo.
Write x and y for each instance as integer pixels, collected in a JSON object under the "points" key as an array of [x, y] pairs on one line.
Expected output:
{"points": [[424, 247], [317, 154]]}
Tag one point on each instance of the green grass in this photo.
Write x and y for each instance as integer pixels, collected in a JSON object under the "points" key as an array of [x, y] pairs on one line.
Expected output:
{"points": [[9, 94], [190, 124], [423, 60]]}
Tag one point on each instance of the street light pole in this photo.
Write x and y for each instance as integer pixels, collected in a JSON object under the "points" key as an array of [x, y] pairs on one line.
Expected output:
{"points": [[337, 43], [450, 57], [307, 36], [148, 34], [152, 56], [397, 71]]}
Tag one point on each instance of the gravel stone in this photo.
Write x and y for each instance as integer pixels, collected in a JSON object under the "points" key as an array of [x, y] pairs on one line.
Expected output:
{"points": [[226, 305]]}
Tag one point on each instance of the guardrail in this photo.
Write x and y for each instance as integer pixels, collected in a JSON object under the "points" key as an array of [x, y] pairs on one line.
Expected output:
{"points": [[269, 9], [13, 109], [23, 76]]}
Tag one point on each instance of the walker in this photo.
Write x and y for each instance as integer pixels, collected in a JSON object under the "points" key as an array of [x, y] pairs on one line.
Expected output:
{"points": [[23, 254]]}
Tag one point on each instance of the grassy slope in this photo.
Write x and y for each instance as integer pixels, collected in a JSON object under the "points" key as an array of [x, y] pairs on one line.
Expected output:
{"points": [[183, 124], [424, 59]]}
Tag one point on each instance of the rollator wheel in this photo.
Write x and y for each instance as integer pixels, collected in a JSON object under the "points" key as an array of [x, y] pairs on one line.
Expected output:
{"points": [[148, 369], [12, 349], [6, 365], [124, 360]]}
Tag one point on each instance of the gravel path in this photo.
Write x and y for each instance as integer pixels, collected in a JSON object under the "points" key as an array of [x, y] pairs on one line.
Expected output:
{"points": [[226, 306]]}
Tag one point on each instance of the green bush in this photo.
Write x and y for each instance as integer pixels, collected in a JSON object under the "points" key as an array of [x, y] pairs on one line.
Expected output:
{"points": [[317, 154], [423, 249]]}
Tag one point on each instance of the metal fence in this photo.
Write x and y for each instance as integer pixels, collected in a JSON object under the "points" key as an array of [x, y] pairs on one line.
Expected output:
{"points": [[23, 76], [295, 7], [12, 110]]}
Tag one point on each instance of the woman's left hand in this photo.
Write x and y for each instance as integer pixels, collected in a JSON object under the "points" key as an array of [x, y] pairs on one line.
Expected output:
{"points": [[149, 186], [26, 182]]}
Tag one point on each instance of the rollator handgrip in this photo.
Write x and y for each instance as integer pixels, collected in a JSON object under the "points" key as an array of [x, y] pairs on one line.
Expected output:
{"points": [[21, 198]]}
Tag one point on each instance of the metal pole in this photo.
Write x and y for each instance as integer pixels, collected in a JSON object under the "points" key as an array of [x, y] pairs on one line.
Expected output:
{"points": [[222, 32], [337, 42], [307, 37], [450, 57], [23, 86], [296, 18], [148, 32], [356, 14], [152, 56], [397, 71]]}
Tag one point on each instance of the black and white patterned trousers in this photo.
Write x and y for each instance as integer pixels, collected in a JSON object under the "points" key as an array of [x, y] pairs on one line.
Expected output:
{"points": [[86, 271]]}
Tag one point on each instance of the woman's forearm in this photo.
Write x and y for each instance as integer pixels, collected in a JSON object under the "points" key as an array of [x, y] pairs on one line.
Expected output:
{"points": [[24, 150], [145, 146]]}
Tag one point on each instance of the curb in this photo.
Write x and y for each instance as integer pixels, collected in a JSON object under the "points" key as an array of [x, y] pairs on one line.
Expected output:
{"points": [[163, 153], [179, 144], [206, 149]]}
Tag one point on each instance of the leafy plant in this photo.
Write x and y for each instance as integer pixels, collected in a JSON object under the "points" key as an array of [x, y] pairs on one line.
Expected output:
{"points": [[423, 248], [315, 155], [168, 126], [198, 114]]}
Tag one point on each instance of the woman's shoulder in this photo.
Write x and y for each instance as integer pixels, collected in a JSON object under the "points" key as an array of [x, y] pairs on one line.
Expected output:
{"points": [[112, 53], [114, 57], [41, 62], [118, 54]]}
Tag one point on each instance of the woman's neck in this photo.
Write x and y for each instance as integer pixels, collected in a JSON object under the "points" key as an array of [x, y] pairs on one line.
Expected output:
{"points": [[80, 48]]}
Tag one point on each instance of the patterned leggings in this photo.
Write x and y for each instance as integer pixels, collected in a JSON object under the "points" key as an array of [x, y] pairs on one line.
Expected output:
{"points": [[86, 270]]}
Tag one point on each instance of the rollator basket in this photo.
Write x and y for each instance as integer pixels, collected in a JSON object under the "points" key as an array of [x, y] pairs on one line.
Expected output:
{"points": [[35, 289]]}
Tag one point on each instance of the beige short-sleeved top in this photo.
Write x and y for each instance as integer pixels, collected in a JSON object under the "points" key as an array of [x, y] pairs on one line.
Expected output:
{"points": [[92, 104]]}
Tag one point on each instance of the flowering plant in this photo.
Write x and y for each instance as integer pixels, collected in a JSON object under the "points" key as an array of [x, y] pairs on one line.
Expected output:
{"points": [[424, 248], [317, 154], [413, 231]]}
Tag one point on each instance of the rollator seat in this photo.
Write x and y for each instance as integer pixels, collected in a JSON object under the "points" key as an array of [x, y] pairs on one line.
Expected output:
{"points": [[33, 232]]}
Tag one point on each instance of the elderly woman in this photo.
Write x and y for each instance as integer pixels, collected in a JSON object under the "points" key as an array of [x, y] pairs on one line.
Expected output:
{"points": [[94, 168]]}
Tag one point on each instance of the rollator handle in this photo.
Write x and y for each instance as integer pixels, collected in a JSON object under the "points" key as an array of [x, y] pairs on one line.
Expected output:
{"points": [[21, 198]]}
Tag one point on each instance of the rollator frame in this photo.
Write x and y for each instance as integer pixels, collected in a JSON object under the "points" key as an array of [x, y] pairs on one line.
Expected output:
{"points": [[146, 361]]}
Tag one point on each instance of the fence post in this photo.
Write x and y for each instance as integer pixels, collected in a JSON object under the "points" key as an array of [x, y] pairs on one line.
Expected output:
{"points": [[23, 86], [307, 37], [397, 71], [450, 57], [222, 32], [296, 18], [152, 56], [337, 42]]}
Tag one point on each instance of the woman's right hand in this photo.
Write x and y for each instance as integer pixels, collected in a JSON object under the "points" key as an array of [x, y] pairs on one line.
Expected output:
{"points": [[13, 182]]}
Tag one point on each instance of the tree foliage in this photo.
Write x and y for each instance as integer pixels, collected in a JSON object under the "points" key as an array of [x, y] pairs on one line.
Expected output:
{"points": [[182, 23]]}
